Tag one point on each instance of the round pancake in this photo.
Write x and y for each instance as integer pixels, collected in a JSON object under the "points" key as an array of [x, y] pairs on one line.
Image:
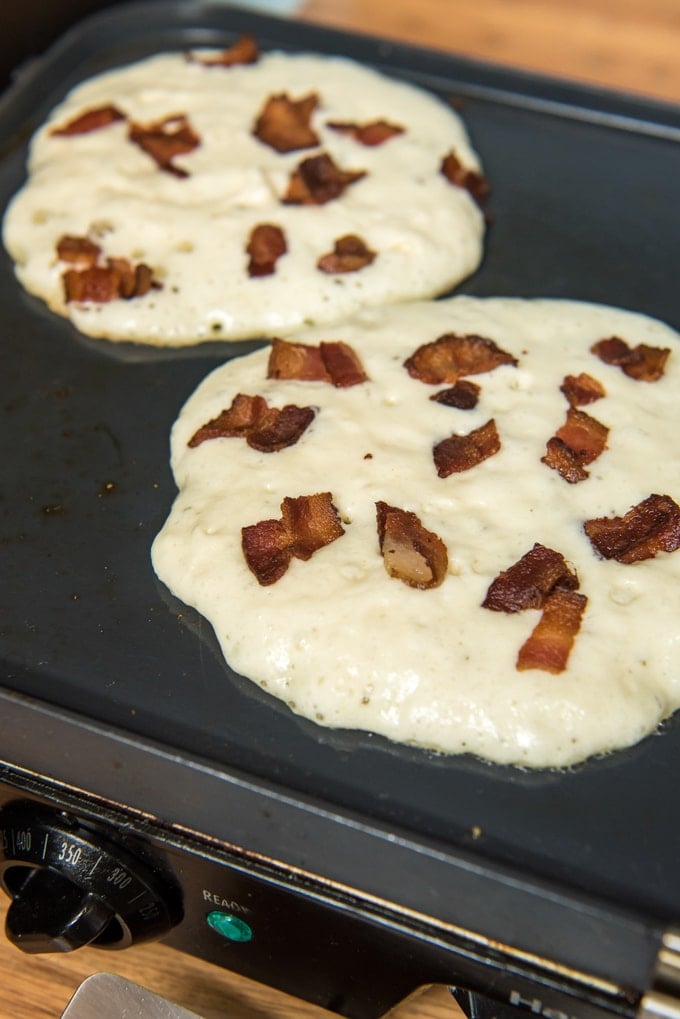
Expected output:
{"points": [[348, 644], [190, 221]]}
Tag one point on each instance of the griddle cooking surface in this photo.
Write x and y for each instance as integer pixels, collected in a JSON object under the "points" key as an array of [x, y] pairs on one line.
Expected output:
{"points": [[584, 206]]}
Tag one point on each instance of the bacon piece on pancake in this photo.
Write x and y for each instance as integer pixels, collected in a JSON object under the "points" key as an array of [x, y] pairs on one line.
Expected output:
{"points": [[312, 521], [350, 253], [559, 457], [266, 244], [371, 133], [318, 180], [285, 124], [166, 139], [241, 417], [307, 524], [89, 120], [451, 357], [642, 363], [303, 361], [584, 433], [79, 252], [281, 428], [115, 278], [650, 527], [461, 176], [528, 582], [550, 643], [134, 280], [463, 395], [543, 580], [265, 428], [342, 363], [410, 552], [97, 284], [331, 361], [579, 441], [244, 51], [461, 453], [582, 389], [266, 547]]}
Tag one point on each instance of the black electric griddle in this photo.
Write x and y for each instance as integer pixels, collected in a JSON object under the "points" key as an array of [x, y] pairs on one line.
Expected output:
{"points": [[114, 692]]}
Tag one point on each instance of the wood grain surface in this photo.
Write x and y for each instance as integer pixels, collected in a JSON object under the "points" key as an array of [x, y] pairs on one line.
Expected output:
{"points": [[631, 45]]}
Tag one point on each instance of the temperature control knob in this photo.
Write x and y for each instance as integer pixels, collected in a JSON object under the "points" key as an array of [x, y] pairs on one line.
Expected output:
{"points": [[71, 885]]}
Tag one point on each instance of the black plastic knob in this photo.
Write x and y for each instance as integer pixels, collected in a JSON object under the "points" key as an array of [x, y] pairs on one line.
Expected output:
{"points": [[71, 884], [50, 914]]}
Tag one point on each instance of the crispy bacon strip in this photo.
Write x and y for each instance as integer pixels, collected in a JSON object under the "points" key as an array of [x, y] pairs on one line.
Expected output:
{"points": [[135, 280], [559, 457], [373, 132], [350, 253], [266, 547], [239, 419], [116, 278], [266, 244], [90, 120], [579, 441], [583, 434], [463, 395], [98, 284], [462, 452], [312, 521], [450, 357], [582, 389], [79, 252], [550, 643], [244, 51], [307, 524], [96, 280], [650, 527], [303, 361], [166, 139], [642, 363], [265, 428], [527, 583], [318, 180], [281, 428], [410, 552], [332, 361], [342, 363], [461, 176], [285, 124], [541, 579]]}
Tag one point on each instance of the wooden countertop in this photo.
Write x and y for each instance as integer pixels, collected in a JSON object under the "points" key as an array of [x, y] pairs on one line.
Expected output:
{"points": [[631, 45]]}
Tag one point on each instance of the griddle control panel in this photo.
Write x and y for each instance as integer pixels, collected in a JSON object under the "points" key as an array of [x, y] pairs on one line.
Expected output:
{"points": [[80, 873], [72, 885]]}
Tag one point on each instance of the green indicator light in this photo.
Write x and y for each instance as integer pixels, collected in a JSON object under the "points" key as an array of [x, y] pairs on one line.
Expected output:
{"points": [[231, 927]]}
